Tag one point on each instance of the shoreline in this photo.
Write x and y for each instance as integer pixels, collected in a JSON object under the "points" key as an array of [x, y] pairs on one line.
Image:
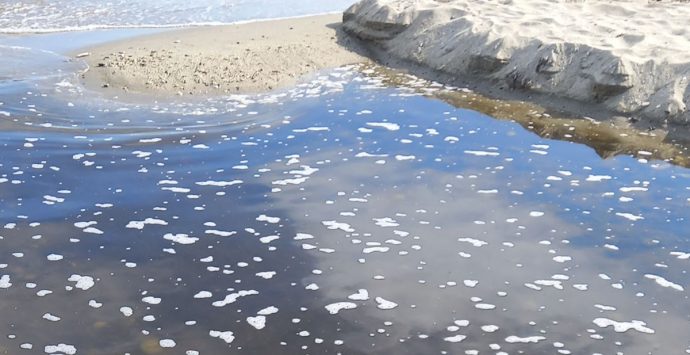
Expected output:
{"points": [[270, 54], [243, 58], [174, 26]]}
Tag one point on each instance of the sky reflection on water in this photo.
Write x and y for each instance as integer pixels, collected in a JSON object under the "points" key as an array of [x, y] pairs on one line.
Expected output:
{"points": [[340, 216]]}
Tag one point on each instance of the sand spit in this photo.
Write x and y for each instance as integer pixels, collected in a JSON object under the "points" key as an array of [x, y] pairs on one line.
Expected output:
{"points": [[630, 57], [217, 60]]}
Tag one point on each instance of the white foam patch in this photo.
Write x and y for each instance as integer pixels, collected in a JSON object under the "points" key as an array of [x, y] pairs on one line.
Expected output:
{"points": [[605, 308], [180, 238], [268, 219], [385, 304], [140, 154], [680, 255], [311, 129], [306, 171], [470, 283], [386, 222], [633, 189], [664, 283], [266, 274], [336, 307], [233, 297], [387, 125], [151, 300], [552, 283], [484, 306], [562, 258], [461, 323], [92, 230], [86, 227], [141, 224], [480, 153], [306, 246], [54, 257], [126, 311], [303, 236], [475, 242], [167, 343], [258, 322], [622, 327], [375, 250], [269, 238], [268, 311], [487, 192], [598, 178], [629, 216], [369, 155], [361, 295], [531, 339], [181, 190], [295, 181], [490, 328], [611, 247], [455, 339], [203, 294], [219, 183], [220, 233], [51, 317], [60, 349], [226, 336], [338, 225], [49, 200], [82, 282]]}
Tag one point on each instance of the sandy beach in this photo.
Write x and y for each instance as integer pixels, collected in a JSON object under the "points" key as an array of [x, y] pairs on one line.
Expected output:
{"points": [[216, 60], [628, 57]]}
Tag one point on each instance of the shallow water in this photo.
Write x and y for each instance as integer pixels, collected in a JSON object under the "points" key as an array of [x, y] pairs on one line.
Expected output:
{"points": [[342, 216], [21, 16]]}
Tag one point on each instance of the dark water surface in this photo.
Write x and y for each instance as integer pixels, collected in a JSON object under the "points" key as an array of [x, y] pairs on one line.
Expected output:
{"points": [[342, 216]]}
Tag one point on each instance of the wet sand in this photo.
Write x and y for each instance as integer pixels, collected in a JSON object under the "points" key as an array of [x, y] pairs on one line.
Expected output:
{"points": [[233, 59]]}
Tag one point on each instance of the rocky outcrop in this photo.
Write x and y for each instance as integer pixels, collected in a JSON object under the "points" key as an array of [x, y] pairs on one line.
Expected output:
{"points": [[537, 45]]}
